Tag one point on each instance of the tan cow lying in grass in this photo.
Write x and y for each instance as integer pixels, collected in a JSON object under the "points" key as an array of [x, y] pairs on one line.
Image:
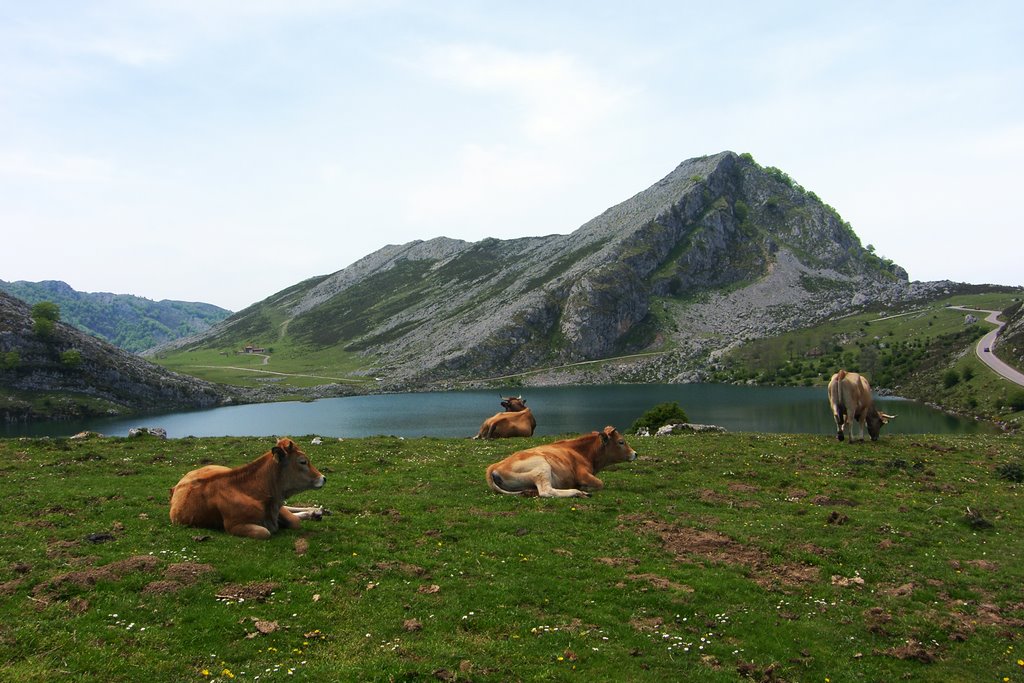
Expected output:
{"points": [[248, 500], [560, 469], [849, 394], [517, 420]]}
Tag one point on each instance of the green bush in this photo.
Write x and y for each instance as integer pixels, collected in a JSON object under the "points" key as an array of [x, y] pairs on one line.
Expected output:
{"points": [[659, 416], [1011, 471], [950, 378], [71, 358], [45, 315], [1016, 401]]}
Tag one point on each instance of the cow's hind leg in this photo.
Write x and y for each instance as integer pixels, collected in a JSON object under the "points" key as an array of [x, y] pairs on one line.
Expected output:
{"points": [[546, 490], [840, 416], [256, 531]]}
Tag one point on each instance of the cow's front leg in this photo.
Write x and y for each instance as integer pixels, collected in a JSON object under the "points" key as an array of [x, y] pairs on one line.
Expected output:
{"points": [[288, 519], [313, 513], [589, 481], [238, 520]]}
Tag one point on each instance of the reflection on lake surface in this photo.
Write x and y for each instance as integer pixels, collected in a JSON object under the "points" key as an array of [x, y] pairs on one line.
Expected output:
{"points": [[559, 410]]}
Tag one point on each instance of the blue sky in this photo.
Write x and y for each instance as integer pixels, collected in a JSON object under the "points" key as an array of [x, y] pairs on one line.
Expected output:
{"points": [[222, 151]]}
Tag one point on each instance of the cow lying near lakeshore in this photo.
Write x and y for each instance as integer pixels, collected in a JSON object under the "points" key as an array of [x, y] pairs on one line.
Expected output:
{"points": [[849, 394], [248, 500], [517, 420], [560, 469]]}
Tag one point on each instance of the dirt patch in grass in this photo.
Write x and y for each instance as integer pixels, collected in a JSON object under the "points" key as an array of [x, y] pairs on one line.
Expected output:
{"points": [[911, 650], [402, 568], [687, 544], [647, 624], [178, 576], [617, 561], [712, 497], [660, 582], [985, 565], [255, 590], [56, 586]]}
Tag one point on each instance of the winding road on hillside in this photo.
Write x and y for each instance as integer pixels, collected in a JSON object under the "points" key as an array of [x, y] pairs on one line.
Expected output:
{"points": [[987, 343]]}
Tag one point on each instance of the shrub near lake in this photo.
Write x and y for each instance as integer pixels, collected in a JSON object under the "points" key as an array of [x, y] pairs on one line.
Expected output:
{"points": [[712, 557]]}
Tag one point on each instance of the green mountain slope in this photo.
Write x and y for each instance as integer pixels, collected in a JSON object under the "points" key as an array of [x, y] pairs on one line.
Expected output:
{"points": [[129, 322]]}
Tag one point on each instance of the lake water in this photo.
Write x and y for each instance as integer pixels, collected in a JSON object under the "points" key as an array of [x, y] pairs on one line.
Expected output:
{"points": [[559, 410]]}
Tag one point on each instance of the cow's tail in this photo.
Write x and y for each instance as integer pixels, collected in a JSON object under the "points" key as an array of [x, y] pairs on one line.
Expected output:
{"points": [[495, 482], [835, 397]]}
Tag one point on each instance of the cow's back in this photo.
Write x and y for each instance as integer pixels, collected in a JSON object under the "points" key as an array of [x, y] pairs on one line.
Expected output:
{"points": [[194, 498]]}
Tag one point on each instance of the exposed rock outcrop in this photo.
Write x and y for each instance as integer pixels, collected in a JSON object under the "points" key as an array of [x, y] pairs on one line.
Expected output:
{"points": [[70, 363]]}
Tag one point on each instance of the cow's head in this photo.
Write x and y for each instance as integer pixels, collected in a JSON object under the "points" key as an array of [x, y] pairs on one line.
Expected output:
{"points": [[513, 404], [875, 421], [614, 448], [297, 474]]}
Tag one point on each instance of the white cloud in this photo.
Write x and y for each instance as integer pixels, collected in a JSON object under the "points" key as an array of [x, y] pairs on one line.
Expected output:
{"points": [[557, 96], [55, 168], [489, 184]]}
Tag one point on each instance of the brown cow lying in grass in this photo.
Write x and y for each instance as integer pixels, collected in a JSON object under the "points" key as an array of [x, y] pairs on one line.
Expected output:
{"points": [[562, 468], [517, 420], [248, 500]]}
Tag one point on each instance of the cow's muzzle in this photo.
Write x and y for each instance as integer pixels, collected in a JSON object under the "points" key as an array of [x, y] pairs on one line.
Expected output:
{"points": [[320, 482]]}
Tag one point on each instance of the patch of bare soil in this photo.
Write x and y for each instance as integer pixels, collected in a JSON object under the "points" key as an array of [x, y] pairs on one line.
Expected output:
{"points": [[912, 649], [660, 582], [836, 518], [739, 487], [87, 578], [254, 590], [876, 619], [645, 624], [617, 561], [900, 591], [687, 543], [761, 674], [985, 565], [176, 577], [403, 568], [712, 497]]}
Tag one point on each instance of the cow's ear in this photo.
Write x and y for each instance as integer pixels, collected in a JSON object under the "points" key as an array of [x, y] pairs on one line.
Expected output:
{"points": [[604, 437], [279, 453]]}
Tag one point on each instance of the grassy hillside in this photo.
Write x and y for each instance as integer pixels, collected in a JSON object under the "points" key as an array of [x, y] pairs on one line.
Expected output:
{"points": [[129, 322], [924, 352], [711, 558]]}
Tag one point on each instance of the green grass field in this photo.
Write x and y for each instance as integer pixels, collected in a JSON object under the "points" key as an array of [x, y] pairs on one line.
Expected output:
{"points": [[711, 558], [287, 365]]}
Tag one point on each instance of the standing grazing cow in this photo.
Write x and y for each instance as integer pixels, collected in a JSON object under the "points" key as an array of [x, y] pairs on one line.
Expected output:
{"points": [[850, 397], [560, 469], [517, 420], [248, 500]]}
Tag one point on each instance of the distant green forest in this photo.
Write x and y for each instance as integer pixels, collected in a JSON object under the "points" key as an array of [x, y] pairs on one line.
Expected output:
{"points": [[129, 322]]}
